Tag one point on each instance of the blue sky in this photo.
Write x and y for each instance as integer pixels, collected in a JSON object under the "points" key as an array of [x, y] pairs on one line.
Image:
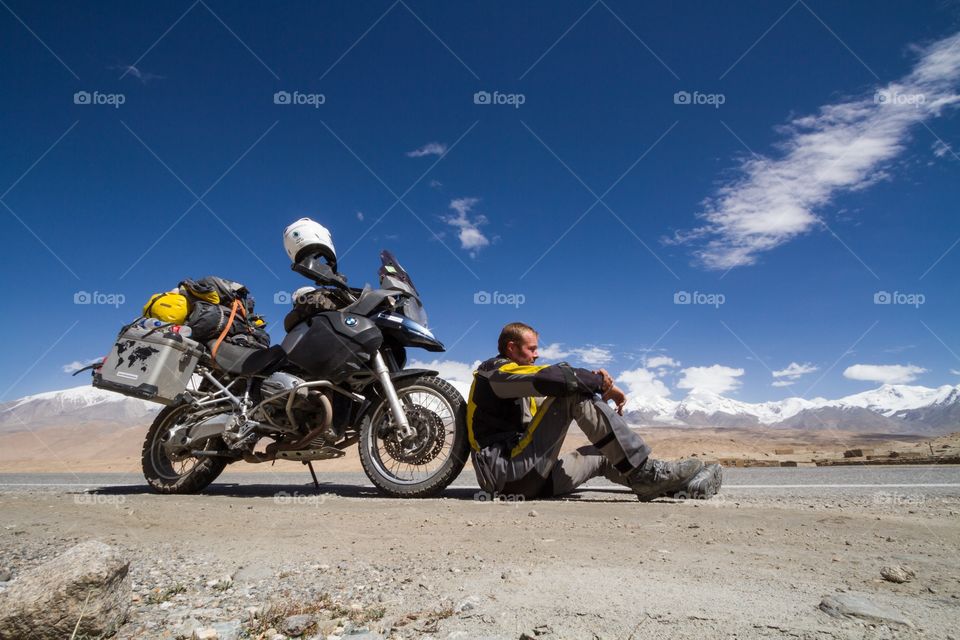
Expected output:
{"points": [[777, 165]]}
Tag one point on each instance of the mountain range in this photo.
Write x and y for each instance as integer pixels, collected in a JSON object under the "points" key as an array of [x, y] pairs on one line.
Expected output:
{"points": [[891, 408], [74, 406], [887, 409]]}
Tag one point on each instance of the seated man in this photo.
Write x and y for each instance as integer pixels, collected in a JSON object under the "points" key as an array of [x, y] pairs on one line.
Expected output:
{"points": [[518, 415]]}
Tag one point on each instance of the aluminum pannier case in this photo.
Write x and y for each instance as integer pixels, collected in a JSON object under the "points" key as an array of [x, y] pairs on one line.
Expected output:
{"points": [[151, 364]]}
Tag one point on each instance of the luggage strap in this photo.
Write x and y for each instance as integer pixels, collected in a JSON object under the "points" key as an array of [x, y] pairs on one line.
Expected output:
{"points": [[226, 329]]}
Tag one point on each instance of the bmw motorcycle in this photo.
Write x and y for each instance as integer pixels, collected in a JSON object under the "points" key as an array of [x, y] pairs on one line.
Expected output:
{"points": [[337, 380]]}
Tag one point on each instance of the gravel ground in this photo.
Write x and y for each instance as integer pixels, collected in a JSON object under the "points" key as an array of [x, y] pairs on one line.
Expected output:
{"points": [[752, 563]]}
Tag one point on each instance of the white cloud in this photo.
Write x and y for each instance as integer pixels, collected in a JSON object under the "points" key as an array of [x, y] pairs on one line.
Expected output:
{"points": [[900, 348], [553, 351], [459, 374], [662, 361], [360, 216], [471, 238], [594, 356], [76, 365], [792, 373], [884, 373], [429, 149], [714, 379], [955, 372], [590, 355], [143, 76], [435, 184], [641, 384], [941, 148], [843, 147]]}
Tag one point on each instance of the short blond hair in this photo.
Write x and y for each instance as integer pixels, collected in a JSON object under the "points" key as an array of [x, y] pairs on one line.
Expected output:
{"points": [[512, 332]]}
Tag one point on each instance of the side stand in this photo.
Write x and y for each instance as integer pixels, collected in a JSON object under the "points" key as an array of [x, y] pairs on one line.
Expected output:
{"points": [[313, 473]]}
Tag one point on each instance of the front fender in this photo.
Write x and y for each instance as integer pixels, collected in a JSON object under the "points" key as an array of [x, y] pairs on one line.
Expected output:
{"points": [[412, 373]]}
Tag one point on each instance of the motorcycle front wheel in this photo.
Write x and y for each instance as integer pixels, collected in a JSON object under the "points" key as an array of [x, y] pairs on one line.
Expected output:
{"points": [[429, 462]]}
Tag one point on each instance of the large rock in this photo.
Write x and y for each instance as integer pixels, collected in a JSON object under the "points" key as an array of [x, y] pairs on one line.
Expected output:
{"points": [[89, 583], [898, 574], [852, 605]]}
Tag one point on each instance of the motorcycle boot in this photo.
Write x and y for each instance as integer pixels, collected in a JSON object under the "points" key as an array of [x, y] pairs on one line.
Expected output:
{"points": [[702, 486], [656, 478]]}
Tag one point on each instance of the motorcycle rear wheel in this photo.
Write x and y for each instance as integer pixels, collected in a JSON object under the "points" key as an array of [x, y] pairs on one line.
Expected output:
{"points": [[438, 453], [190, 475]]}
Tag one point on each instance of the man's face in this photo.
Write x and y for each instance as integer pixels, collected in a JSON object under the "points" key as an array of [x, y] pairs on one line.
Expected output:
{"points": [[525, 351]]}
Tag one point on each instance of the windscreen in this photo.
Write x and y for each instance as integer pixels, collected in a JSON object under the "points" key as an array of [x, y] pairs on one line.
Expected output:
{"points": [[393, 276]]}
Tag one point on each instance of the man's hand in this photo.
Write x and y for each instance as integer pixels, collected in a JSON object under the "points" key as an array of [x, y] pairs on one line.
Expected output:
{"points": [[607, 383], [619, 398]]}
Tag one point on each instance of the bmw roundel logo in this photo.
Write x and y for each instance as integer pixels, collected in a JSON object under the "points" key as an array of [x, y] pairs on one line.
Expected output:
{"points": [[350, 321]]}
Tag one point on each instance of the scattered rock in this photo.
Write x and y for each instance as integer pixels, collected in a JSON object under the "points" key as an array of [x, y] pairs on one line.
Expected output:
{"points": [[467, 604], [228, 630], [851, 605], [537, 633], [297, 625], [187, 628], [5, 575], [327, 627], [898, 574], [206, 633], [89, 583], [533, 513]]}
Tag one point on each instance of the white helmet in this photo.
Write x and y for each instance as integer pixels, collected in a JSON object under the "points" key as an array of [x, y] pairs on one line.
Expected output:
{"points": [[306, 237]]}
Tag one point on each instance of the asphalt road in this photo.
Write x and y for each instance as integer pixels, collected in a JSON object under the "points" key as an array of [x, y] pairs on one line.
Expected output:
{"points": [[894, 483]]}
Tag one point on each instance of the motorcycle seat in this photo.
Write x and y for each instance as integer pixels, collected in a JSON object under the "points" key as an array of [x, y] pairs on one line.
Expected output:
{"points": [[243, 361]]}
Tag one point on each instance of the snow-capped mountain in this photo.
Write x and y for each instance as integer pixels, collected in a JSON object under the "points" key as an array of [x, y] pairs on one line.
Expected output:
{"points": [[889, 408], [74, 406]]}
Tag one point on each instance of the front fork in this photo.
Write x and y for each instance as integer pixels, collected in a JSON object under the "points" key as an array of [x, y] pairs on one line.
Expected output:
{"points": [[399, 415]]}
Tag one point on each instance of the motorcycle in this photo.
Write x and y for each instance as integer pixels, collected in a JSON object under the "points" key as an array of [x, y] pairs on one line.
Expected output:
{"points": [[338, 379]]}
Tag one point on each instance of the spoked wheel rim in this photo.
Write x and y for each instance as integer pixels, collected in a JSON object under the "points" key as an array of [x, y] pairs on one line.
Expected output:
{"points": [[433, 416], [167, 469]]}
